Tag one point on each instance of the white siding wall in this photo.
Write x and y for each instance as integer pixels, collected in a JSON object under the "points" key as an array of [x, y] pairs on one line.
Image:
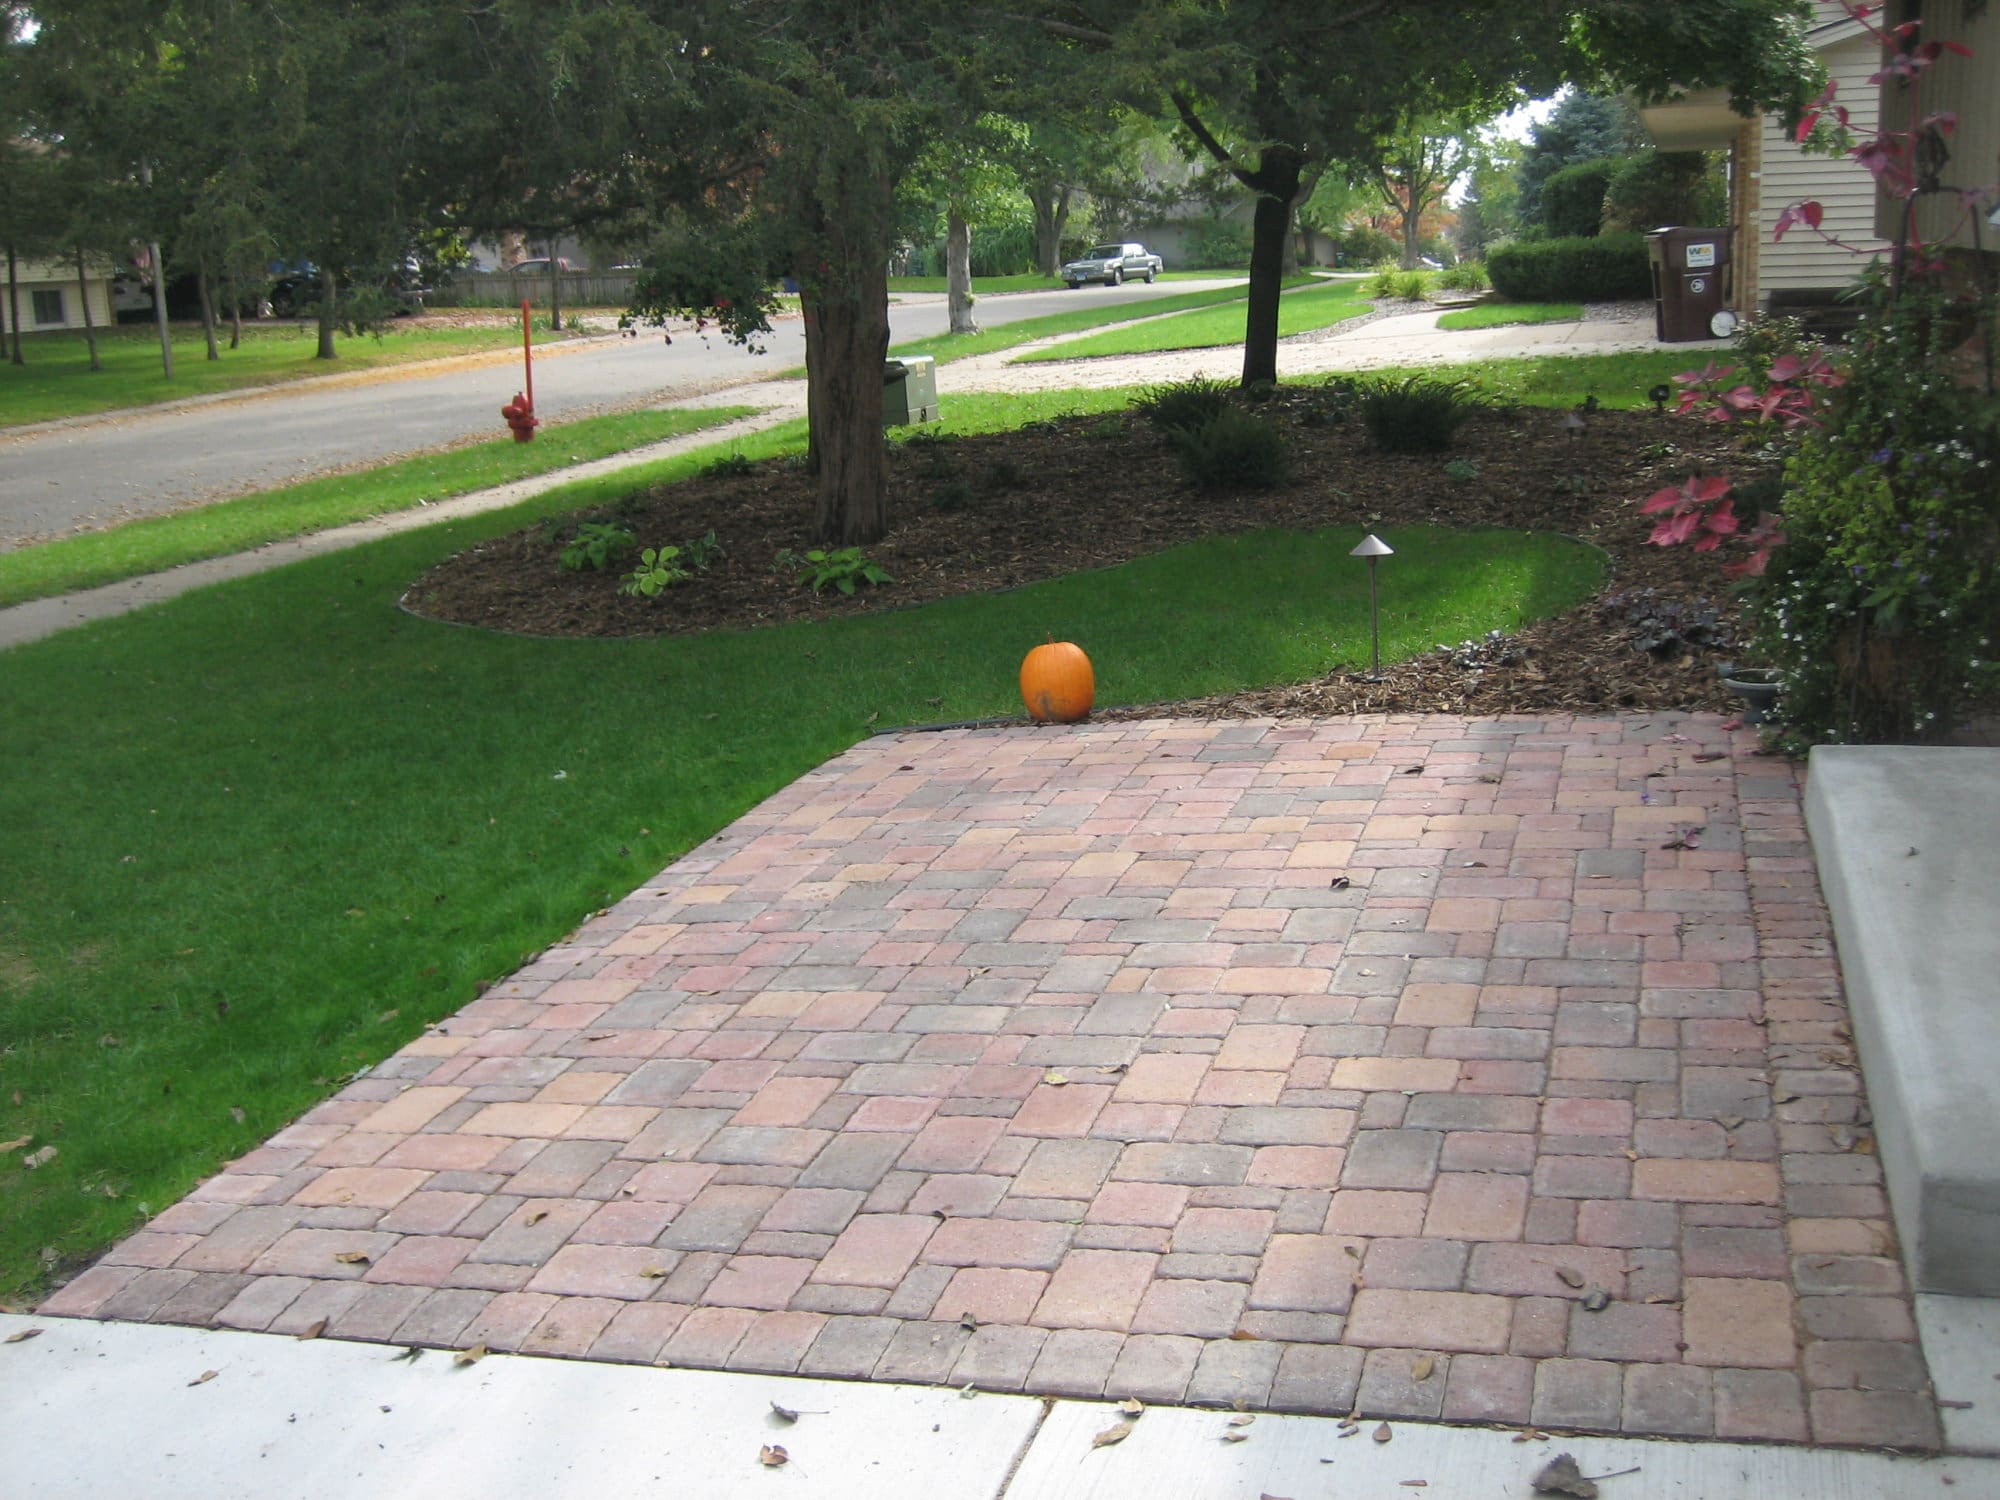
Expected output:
{"points": [[36, 276], [1802, 261]]}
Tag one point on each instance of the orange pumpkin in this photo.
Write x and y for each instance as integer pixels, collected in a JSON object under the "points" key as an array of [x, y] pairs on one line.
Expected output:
{"points": [[1057, 684]]}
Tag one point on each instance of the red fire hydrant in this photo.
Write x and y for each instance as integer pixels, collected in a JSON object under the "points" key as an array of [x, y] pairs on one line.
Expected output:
{"points": [[519, 415]]}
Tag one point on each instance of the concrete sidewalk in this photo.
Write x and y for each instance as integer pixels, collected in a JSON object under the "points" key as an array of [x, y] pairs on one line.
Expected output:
{"points": [[96, 1409]]}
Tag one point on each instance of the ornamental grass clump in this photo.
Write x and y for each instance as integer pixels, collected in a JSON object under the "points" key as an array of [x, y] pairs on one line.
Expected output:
{"points": [[1232, 450], [1419, 413], [1181, 405]]}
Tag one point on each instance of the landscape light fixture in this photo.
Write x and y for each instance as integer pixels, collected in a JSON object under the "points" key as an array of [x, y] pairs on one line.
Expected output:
{"points": [[1374, 549]]}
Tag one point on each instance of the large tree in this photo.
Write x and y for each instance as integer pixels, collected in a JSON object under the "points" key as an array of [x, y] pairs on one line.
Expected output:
{"points": [[1414, 169], [1268, 88]]}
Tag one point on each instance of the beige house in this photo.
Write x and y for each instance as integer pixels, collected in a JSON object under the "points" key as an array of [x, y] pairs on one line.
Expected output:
{"points": [[1768, 173], [1969, 87], [51, 297]]}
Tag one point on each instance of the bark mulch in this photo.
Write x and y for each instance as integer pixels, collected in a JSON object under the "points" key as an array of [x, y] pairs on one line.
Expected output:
{"points": [[975, 514]]}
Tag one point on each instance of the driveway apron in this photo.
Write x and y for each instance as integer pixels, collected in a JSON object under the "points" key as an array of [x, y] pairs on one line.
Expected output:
{"points": [[1490, 1070]]}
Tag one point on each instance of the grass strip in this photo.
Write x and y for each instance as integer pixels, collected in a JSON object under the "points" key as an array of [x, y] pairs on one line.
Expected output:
{"points": [[57, 381], [1616, 380], [1506, 314], [236, 525], [262, 835], [1301, 311], [946, 347], [987, 286]]}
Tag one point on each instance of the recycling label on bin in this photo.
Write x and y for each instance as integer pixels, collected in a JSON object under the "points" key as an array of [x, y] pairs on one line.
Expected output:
{"points": [[1697, 284], [1701, 254]]}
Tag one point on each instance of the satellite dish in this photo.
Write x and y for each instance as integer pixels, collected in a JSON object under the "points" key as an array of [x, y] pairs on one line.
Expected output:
{"points": [[1723, 324]]}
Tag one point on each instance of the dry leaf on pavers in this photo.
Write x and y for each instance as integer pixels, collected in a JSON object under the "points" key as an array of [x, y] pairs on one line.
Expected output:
{"points": [[39, 1158], [1382, 1434], [1421, 1370], [1243, 1419], [1055, 1079], [313, 1330], [1236, 1437], [470, 1356], [1340, 883], [22, 1337], [773, 1456], [1244, 1335], [1415, 1484], [1708, 755], [1413, 770], [656, 1273], [969, 1323], [204, 1377], [1561, 1476], [1132, 1407], [1568, 1277], [353, 1258], [17, 1143], [1116, 1433], [1596, 1299], [536, 1217]]}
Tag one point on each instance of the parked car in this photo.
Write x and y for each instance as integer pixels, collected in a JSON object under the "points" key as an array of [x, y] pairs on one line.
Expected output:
{"points": [[539, 266], [131, 298], [1111, 264]]}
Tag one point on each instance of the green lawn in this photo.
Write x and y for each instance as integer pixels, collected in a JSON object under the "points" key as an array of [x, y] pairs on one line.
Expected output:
{"points": [[237, 525], [986, 286], [946, 347], [1505, 314], [57, 380], [1616, 380], [262, 835], [1299, 311]]}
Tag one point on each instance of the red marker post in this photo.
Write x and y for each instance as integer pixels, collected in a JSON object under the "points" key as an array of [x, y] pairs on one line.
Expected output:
{"points": [[519, 414]]}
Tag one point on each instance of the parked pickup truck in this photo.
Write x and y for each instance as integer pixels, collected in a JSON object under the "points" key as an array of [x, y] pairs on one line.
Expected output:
{"points": [[1111, 264]]}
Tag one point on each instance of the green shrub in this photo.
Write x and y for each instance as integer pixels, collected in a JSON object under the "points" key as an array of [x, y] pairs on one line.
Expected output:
{"points": [[1364, 245], [1466, 276], [1419, 413], [1218, 244], [1182, 404], [1600, 269], [846, 568], [659, 569], [1380, 287], [1656, 188], [596, 545], [1412, 286], [1573, 197], [1232, 450]]}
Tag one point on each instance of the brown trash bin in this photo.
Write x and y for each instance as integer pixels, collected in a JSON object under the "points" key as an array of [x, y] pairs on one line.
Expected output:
{"points": [[1690, 272]]}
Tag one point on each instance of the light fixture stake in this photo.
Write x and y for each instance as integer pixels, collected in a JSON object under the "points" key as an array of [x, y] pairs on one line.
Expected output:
{"points": [[1374, 549]]}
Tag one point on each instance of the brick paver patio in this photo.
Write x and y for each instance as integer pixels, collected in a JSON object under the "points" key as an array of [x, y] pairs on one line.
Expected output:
{"points": [[1426, 1067]]}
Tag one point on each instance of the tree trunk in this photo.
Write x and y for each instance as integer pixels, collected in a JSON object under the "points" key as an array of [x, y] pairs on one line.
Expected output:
{"points": [[160, 303], [958, 272], [14, 305], [1051, 205], [327, 308], [847, 334], [1276, 183], [555, 292], [207, 307], [89, 323], [1411, 219], [235, 311]]}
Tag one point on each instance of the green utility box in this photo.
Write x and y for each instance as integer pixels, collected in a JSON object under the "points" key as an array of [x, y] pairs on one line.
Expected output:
{"points": [[909, 391]]}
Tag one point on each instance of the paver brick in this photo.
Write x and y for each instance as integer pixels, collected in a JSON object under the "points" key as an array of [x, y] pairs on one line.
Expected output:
{"points": [[1096, 1289], [1153, 1367]]}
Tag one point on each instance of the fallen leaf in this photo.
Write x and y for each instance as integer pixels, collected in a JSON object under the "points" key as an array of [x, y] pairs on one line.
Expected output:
{"points": [[1236, 1436], [969, 1323], [1561, 1476], [313, 1330], [1341, 883], [1245, 1335], [1242, 1420], [1116, 1433], [353, 1258], [967, 1391], [783, 1413], [1421, 1370], [656, 1273], [1382, 1434], [236, 1113], [1413, 770], [1954, 1405], [470, 1356], [204, 1377], [1596, 1299], [22, 1337], [1055, 1079], [39, 1158], [17, 1143], [1131, 1406], [773, 1456], [1416, 1484], [411, 1355], [1568, 1277], [536, 1217]]}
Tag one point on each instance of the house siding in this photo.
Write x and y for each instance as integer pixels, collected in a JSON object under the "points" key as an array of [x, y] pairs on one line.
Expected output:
{"points": [[1802, 262], [1970, 87], [33, 276]]}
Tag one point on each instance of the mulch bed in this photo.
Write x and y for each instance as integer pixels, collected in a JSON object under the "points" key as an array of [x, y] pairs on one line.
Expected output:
{"points": [[976, 514]]}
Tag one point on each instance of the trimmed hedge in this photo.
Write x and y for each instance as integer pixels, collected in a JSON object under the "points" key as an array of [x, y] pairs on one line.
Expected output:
{"points": [[1573, 198], [1604, 269]]}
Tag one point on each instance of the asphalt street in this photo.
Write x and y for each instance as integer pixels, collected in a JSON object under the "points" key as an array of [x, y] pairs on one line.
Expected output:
{"points": [[87, 475]]}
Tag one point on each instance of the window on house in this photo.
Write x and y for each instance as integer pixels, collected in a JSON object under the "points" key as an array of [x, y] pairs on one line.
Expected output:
{"points": [[49, 306]]}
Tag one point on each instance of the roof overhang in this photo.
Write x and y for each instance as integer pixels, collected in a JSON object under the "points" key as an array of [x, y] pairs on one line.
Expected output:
{"points": [[1698, 121]]}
